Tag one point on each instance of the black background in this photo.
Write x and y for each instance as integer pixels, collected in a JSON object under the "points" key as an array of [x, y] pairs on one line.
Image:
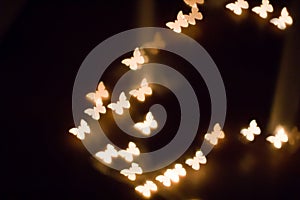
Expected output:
{"points": [[43, 44]]}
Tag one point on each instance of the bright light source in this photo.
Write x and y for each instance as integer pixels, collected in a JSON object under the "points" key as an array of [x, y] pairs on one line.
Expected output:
{"points": [[252, 130], [146, 189], [237, 6], [279, 138]]}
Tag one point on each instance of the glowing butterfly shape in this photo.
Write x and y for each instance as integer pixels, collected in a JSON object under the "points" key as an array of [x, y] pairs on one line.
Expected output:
{"points": [[100, 93], [81, 130], [263, 9], [132, 171], [195, 162], [146, 189], [171, 175], [134, 62], [180, 22], [237, 6], [108, 154], [179, 170], [131, 151], [252, 130], [278, 139], [215, 135], [120, 105], [193, 3], [191, 18], [283, 20], [96, 110], [142, 91], [146, 126]]}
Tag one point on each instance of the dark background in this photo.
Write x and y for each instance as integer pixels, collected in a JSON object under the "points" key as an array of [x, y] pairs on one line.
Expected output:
{"points": [[42, 45]]}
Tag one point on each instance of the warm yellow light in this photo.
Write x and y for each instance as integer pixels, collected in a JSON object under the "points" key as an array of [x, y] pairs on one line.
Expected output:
{"points": [[141, 92], [252, 130], [193, 3], [131, 151], [134, 62], [100, 93], [216, 134], [195, 162], [237, 6], [180, 22], [120, 105], [132, 171], [146, 189], [263, 9], [279, 138], [195, 14], [283, 20], [171, 175]]}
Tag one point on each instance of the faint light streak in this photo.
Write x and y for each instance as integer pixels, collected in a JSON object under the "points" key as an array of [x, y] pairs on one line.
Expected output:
{"points": [[158, 42], [81, 130], [108, 154], [134, 62], [132, 171], [237, 6], [279, 137], [120, 105], [283, 20], [263, 9], [141, 92], [131, 151], [252, 130], [216, 134], [146, 189], [146, 126]]}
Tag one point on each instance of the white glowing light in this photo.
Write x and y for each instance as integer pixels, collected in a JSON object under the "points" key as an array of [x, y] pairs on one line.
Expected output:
{"points": [[180, 22], [146, 189], [179, 170], [195, 14], [216, 134], [81, 130], [131, 151], [283, 20], [132, 171], [100, 93], [108, 154], [142, 91], [171, 175], [134, 62], [146, 126], [279, 138], [120, 105], [96, 110], [237, 6], [195, 162], [193, 3], [263, 9], [252, 130]]}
